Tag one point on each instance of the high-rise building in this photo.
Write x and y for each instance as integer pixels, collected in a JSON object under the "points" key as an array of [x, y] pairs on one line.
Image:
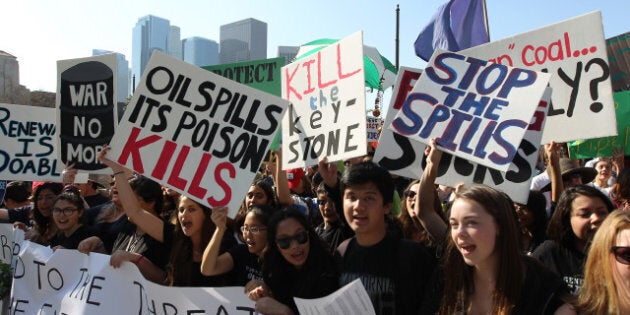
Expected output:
{"points": [[288, 52], [123, 84], [200, 51], [174, 43], [150, 33], [243, 40]]}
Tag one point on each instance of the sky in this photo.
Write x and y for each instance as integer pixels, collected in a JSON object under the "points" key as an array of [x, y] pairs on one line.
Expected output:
{"points": [[40, 32]]}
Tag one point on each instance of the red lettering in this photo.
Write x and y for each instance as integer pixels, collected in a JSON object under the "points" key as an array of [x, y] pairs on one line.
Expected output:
{"points": [[195, 189], [165, 157], [341, 75], [174, 178], [132, 148], [288, 79], [406, 85], [219, 180], [319, 73], [525, 49], [307, 65]]}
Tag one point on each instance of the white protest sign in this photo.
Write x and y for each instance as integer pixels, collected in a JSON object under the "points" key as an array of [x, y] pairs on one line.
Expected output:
{"points": [[196, 132], [373, 125], [86, 109], [351, 299], [28, 150], [327, 115], [574, 52], [404, 157], [69, 282], [475, 109], [10, 242]]}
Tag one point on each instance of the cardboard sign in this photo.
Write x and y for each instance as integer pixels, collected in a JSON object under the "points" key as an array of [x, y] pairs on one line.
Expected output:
{"points": [[86, 109], [574, 52], [327, 115], [618, 49], [373, 125], [404, 157], [263, 74], [590, 148], [475, 109], [28, 151], [196, 132], [69, 282]]}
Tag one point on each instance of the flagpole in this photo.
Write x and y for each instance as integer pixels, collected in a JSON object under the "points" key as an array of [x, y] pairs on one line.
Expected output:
{"points": [[485, 15], [397, 32]]}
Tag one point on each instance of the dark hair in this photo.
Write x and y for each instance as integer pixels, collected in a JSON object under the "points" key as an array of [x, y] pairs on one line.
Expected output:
{"points": [[620, 191], [272, 201], [459, 276], [262, 213], [149, 191], [537, 205], [559, 228], [278, 273], [369, 172], [42, 221], [181, 257], [73, 197], [17, 191]]}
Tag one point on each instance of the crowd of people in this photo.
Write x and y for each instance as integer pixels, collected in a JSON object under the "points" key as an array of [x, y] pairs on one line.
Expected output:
{"points": [[418, 247]]}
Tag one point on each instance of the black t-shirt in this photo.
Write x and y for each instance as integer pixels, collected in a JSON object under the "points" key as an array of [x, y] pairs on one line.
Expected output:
{"points": [[108, 231], [145, 245], [72, 241], [333, 235], [566, 262], [20, 214], [247, 266], [394, 273]]}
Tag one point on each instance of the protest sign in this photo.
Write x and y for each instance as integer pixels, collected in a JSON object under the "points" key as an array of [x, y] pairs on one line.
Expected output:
{"points": [[3, 190], [11, 240], [86, 109], [28, 150], [618, 49], [327, 115], [590, 148], [404, 157], [262, 74], [574, 52], [475, 109], [373, 125], [196, 132], [69, 282], [351, 299]]}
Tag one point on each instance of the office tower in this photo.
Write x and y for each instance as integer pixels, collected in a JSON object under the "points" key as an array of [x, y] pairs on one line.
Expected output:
{"points": [[174, 44], [123, 84], [150, 33], [243, 40], [9, 74], [288, 52], [200, 51]]}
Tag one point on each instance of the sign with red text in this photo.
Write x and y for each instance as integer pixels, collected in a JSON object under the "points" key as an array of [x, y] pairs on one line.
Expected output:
{"points": [[86, 109], [70, 282], [404, 157], [475, 109], [373, 128], [28, 151], [574, 53], [327, 115], [196, 132]]}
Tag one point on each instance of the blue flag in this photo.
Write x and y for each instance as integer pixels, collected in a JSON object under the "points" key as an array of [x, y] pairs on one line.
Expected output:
{"points": [[457, 25]]}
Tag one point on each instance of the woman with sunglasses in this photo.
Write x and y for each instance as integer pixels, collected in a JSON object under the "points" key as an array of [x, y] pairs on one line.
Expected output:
{"points": [[606, 288], [296, 264], [243, 259], [411, 226]]}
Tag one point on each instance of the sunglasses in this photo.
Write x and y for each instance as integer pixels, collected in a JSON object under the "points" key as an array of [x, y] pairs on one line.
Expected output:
{"points": [[622, 254], [285, 242], [410, 194]]}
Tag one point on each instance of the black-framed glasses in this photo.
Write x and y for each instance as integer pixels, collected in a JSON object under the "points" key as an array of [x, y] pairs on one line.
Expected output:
{"points": [[253, 229], [410, 194], [622, 254], [322, 202], [285, 242], [65, 211]]}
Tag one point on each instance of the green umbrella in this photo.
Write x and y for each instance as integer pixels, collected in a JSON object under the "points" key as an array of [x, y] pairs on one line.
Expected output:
{"points": [[380, 73]]}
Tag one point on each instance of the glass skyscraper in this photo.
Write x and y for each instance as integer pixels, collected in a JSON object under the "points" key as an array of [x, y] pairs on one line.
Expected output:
{"points": [[243, 40], [200, 51], [150, 33], [123, 83]]}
